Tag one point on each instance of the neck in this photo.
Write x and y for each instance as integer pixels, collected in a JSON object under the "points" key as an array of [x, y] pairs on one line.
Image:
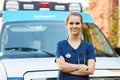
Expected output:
{"points": [[74, 41], [74, 38]]}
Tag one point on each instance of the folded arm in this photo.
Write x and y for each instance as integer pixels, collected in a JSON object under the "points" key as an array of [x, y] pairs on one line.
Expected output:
{"points": [[76, 69]]}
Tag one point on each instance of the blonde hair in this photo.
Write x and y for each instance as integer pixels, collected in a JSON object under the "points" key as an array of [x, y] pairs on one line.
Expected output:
{"points": [[73, 14]]}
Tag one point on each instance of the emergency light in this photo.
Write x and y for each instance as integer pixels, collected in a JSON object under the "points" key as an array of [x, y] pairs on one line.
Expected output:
{"points": [[41, 5], [12, 5]]}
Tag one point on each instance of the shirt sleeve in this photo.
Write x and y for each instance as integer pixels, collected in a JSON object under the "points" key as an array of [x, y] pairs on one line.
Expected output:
{"points": [[91, 53], [59, 50]]}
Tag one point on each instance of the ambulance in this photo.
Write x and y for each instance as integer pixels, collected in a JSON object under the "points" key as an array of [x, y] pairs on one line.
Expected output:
{"points": [[29, 34]]}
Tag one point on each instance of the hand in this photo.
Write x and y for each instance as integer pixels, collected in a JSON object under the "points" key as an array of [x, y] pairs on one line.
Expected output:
{"points": [[61, 60], [83, 67]]}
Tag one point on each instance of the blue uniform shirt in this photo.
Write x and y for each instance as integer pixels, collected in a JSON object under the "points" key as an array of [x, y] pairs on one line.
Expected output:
{"points": [[80, 55]]}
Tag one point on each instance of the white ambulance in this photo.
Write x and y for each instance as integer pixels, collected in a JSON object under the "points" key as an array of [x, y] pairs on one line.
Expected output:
{"points": [[28, 38]]}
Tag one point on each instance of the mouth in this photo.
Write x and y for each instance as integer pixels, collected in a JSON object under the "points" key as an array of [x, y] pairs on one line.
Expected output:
{"points": [[74, 30]]}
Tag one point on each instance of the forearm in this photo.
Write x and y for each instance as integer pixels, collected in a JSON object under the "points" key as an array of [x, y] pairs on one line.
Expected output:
{"points": [[82, 72], [68, 67], [85, 69], [76, 69]]}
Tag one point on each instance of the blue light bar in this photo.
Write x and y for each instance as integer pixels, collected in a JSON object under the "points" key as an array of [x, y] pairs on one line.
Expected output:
{"points": [[9, 16]]}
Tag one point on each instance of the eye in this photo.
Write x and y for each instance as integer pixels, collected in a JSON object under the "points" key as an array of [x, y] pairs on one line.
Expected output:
{"points": [[71, 23], [77, 23]]}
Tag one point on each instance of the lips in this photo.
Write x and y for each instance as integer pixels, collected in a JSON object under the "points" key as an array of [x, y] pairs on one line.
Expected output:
{"points": [[74, 30]]}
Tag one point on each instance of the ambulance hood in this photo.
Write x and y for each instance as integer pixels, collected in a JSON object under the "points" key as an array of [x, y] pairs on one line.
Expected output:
{"points": [[34, 66]]}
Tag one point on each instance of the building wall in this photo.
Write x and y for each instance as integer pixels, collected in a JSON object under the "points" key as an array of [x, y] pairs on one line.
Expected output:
{"points": [[99, 10], [105, 14]]}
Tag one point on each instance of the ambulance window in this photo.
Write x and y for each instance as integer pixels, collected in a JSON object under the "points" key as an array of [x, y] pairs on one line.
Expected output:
{"points": [[33, 36], [92, 34]]}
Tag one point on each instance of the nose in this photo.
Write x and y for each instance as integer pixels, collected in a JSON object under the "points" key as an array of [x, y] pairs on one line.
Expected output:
{"points": [[74, 25]]}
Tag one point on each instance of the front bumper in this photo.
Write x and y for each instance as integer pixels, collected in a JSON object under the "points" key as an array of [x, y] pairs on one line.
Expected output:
{"points": [[52, 75]]}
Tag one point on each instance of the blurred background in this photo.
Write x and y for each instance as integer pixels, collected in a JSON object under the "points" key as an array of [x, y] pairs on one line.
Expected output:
{"points": [[105, 14]]}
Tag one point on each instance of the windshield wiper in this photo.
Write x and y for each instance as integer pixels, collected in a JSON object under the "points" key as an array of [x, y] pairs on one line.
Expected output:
{"points": [[21, 49], [25, 49]]}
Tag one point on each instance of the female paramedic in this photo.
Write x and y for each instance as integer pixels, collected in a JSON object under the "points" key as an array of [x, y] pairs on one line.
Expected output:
{"points": [[75, 57]]}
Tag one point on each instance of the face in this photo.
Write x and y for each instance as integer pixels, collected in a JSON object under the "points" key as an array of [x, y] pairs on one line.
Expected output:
{"points": [[74, 25]]}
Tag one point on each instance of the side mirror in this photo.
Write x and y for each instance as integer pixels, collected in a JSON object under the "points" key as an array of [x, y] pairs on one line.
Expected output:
{"points": [[117, 49]]}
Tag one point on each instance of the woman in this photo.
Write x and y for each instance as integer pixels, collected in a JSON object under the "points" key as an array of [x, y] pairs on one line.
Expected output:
{"points": [[75, 57]]}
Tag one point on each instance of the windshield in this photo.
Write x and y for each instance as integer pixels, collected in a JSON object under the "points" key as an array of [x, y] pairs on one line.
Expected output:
{"points": [[39, 38], [93, 34]]}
